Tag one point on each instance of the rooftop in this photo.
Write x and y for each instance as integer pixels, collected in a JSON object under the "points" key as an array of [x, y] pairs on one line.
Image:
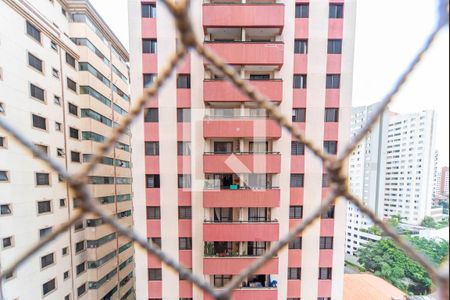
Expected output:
{"points": [[370, 287]]}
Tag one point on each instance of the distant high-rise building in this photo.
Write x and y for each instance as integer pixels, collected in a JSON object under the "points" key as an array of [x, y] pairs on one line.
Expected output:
{"points": [[392, 171], [444, 181], [64, 84], [222, 182]]}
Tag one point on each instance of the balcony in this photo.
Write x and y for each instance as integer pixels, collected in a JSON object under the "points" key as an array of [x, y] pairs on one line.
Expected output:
{"points": [[224, 91], [249, 53], [241, 198], [237, 14], [242, 163], [241, 127], [256, 294], [235, 265], [240, 231]]}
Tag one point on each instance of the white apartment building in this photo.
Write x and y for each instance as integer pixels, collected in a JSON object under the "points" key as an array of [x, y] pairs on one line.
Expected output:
{"points": [[64, 85], [392, 171]]}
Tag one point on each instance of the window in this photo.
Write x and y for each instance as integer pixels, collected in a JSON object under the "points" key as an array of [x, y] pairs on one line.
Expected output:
{"points": [[74, 133], [5, 209], [70, 60], [81, 290], [325, 273], [153, 213], [45, 231], [184, 115], [57, 100], [2, 142], [42, 179], [65, 251], [37, 93], [60, 152], [184, 181], [184, 148], [80, 246], [326, 243], [47, 260], [153, 181], [149, 46], [329, 214], [296, 212], [332, 115], [154, 274], [148, 80], [185, 243], [297, 180], [184, 82], [294, 274], [71, 85], [73, 109], [185, 213], [156, 242], [75, 157], [297, 148], [301, 47], [302, 11], [296, 244], [149, 11], [35, 62], [44, 207], [151, 148], [81, 268], [336, 11], [7, 242], [55, 73], [300, 81], [4, 176], [333, 81], [62, 203], [151, 115], [334, 46], [48, 287], [66, 275], [39, 122], [33, 32], [221, 280], [325, 180], [331, 147], [299, 115], [54, 45], [2, 107]]}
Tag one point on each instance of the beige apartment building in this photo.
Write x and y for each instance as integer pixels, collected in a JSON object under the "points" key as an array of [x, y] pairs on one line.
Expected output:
{"points": [[64, 84]]}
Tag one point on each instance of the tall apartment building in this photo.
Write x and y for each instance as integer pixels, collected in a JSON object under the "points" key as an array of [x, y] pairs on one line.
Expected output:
{"points": [[221, 181], [64, 85], [392, 171], [444, 181]]}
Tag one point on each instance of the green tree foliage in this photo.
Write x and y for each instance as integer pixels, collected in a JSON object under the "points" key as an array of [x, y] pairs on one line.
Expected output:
{"points": [[429, 222], [385, 260]]}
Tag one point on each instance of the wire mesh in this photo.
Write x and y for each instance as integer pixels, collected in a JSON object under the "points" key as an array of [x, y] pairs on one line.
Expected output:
{"points": [[335, 166]]}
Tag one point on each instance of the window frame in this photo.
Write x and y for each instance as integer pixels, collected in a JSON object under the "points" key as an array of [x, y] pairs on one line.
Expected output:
{"points": [[33, 87], [301, 46], [300, 81], [294, 273], [28, 26], [154, 274], [48, 264], [300, 12], [46, 209], [53, 281], [185, 244], [41, 68]]}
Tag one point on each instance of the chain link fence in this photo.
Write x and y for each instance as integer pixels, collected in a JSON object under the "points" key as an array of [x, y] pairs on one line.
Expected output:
{"points": [[335, 166]]}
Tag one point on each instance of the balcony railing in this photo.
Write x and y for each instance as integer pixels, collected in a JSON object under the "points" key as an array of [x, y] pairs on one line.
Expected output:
{"points": [[266, 221]]}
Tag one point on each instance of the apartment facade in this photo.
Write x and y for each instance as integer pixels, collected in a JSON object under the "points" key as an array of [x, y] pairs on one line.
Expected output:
{"points": [[221, 181], [392, 171], [64, 84], [444, 182]]}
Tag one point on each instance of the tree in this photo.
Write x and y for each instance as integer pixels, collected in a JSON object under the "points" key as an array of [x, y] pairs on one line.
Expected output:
{"points": [[386, 260], [429, 222]]}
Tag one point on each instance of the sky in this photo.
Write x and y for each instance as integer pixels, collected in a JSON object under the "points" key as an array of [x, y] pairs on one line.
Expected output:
{"points": [[388, 35]]}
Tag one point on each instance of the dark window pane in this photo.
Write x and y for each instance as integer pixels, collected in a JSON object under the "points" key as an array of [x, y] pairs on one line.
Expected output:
{"points": [[74, 133], [149, 46], [335, 47], [44, 207], [331, 147], [300, 81], [151, 115], [33, 32], [35, 62], [73, 109], [151, 148], [149, 10], [325, 180], [332, 115], [184, 148], [183, 115], [301, 47], [39, 122], [47, 260], [37, 92], [148, 80], [302, 11], [185, 213], [336, 11], [184, 82], [153, 213], [153, 181], [326, 243], [333, 81], [70, 60], [296, 212], [48, 287], [297, 180], [184, 181], [71, 85], [185, 243], [296, 244], [294, 273], [299, 115], [42, 179], [154, 274], [325, 273], [297, 148], [75, 157], [329, 214]]}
